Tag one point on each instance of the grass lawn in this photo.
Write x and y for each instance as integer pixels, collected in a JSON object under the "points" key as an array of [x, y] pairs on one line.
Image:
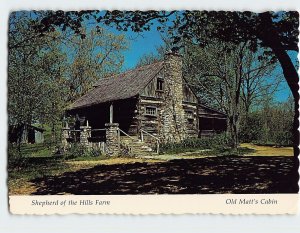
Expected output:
{"points": [[268, 150]]}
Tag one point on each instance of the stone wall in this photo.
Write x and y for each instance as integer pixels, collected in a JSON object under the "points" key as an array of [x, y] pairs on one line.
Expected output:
{"points": [[172, 115], [84, 135]]}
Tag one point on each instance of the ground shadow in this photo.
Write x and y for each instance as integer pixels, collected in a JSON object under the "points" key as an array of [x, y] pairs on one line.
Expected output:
{"points": [[184, 176]]}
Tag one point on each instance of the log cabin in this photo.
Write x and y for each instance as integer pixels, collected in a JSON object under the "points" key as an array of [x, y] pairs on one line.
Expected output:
{"points": [[153, 99]]}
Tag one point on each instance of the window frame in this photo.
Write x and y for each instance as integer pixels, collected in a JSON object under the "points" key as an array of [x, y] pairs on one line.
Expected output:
{"points": [[160, 84], [189, 114], [151, 108]]}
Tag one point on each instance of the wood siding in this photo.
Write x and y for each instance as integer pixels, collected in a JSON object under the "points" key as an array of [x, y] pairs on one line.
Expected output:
{"points": [[188, 94], [192, 120], [149, 123], [151, 89]]}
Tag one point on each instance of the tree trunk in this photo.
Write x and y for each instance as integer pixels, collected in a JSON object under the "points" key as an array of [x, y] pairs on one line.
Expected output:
{"points": [[271, 38], [292, 79]]}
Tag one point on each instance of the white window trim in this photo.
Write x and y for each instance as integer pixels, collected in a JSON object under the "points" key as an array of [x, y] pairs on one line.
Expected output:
{"points": [[150, 114]]}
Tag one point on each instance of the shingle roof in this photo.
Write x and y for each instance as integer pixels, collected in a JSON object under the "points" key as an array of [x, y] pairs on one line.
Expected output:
{"points": [[121, 86], [206, 110]]}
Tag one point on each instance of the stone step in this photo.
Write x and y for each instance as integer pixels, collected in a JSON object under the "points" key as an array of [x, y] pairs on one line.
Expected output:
{"points": [[136, 147]]}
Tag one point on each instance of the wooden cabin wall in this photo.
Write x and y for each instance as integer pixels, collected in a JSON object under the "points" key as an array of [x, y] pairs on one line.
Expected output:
{"points": [[206, 112], [149, 123], [151, 89], [192, 123], [151, 97], [188, 95], [211, 122], [190, 103]]}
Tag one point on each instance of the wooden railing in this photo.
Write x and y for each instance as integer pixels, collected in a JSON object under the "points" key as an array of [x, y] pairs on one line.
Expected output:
{"points": [[121, 131], [151, 135]]}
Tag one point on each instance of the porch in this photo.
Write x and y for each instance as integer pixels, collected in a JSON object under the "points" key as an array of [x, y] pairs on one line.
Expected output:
{"points": [[112, 140]]}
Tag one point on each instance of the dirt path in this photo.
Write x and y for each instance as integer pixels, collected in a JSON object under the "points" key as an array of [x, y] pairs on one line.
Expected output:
{"points": [[268, 150]]}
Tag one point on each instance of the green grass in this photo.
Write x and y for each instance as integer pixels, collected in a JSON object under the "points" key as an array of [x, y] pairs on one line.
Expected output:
{"points": [[36, 150], [89, 158], [220, 151], [37, 167]]}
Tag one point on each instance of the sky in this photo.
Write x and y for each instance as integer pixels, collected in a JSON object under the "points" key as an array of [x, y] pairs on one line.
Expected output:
{"points": [[141, 45]]}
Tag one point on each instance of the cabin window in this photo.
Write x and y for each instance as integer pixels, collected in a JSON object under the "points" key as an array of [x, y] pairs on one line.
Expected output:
{"points": [[189, 114], [160, 84], [151, 111]]}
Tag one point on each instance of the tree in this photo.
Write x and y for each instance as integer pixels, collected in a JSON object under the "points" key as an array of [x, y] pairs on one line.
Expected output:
{"points": [[271, 123], [220, 81], [256, 84], [40, 81], [35, 76], [95, 57]]}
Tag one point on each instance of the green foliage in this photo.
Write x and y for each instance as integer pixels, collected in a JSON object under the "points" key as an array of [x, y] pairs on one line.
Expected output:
{"points": [[47, 71], [271, 125], [250, 129], [35, 74], [219, 142], [19, 157], [15, 157], [96, 56], [79, 152]]}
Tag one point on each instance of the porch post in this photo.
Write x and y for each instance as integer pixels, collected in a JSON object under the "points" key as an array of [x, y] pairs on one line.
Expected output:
{"points": [[112, 139], [111, 113]]}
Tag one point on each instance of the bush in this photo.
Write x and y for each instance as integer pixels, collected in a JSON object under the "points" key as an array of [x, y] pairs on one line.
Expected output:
{"points": [[251, 128], [78, 150], [219, 142], [15, 157]]}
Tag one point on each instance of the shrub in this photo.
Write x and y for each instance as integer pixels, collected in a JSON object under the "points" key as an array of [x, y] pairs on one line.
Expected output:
{"points": [[93, 152], [77, 150], [219, 142], [15, 157]]}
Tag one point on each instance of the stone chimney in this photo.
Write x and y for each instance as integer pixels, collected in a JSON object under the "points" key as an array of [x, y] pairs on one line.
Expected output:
{"points": [[173, 126]]}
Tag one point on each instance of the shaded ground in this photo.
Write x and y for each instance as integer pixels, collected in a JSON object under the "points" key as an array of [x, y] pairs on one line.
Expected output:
{"points": [[19, 177], [185, 176]]}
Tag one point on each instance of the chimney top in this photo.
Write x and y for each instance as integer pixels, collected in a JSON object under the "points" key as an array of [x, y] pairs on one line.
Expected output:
{"points": [[173, 52]]}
